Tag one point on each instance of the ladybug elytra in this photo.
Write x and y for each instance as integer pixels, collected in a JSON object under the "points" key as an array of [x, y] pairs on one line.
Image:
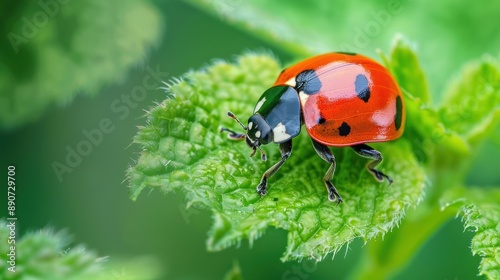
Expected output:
{"points": [[343, 99]]}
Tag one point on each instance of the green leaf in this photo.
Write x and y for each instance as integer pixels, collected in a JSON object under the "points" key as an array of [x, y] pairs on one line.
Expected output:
{"points": [[131, 268], [45, 255], [472, 102], [82, 46], [262, 21], [480, 211], [49, 255], [431, 141], [183, 151], [313, 27], [405, 66], [234, 273]]}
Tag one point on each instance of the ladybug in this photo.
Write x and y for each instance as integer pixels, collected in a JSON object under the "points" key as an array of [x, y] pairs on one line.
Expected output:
{"points": [[343, 99]]}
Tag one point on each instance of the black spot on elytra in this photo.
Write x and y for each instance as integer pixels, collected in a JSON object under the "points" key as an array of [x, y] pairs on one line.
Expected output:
{"points": [[347, 53], [362, 88], [321, 120], [344, 129], [398, 117], [308, 82]]}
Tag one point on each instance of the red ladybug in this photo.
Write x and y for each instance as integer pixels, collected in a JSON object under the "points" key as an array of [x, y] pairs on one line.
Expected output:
{"points": [[343, 99]]}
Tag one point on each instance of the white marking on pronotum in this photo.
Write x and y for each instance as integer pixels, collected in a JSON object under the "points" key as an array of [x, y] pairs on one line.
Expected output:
{"points": [[291, 82], [259, 104], [257, 134], [280, 134], [250, 124], [303, 97]]}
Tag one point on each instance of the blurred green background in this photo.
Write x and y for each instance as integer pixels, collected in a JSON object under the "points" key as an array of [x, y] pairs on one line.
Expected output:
{"points": [[92, 201]]}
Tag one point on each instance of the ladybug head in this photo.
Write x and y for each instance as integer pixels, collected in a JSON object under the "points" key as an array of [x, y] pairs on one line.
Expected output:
{"points": [[258, 130], [276, 118], [258, 133]]}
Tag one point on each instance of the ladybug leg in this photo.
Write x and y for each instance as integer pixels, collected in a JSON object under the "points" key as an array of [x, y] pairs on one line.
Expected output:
{"points": [[368, 152], [286, 151], [326, 154]]}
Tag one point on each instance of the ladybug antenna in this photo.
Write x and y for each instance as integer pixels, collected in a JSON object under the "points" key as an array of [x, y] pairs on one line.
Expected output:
{"points": [[232, 116]]}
